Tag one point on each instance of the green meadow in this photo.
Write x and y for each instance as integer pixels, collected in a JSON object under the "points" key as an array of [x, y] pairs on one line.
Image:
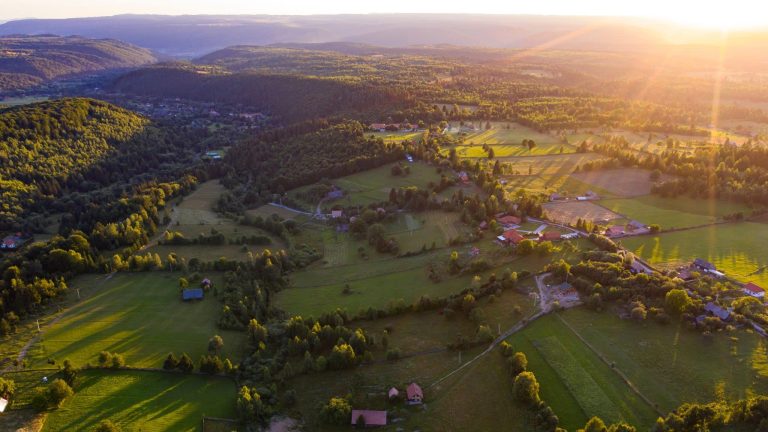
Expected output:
{"points": [[143, 401], [735, 248], [139, 315], [670, 213]]}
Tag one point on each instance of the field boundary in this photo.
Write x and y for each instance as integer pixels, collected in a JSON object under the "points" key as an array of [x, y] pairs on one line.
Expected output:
{"points": [[612, 366]]}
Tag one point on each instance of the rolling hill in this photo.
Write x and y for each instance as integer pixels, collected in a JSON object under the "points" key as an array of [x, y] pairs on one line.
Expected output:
{"points": [[26, 61]]}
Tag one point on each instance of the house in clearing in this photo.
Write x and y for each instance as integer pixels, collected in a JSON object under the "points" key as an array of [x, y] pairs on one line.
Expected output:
{"points": [[414, 395], [510, 237], [754, 290], [378, 127], [15, 241], [192, 294], [703, 264], [393, 393], [369, 418], [336, 214], [549, 236], [615, 231], [715, 310], [463, 177], [508, 220]]}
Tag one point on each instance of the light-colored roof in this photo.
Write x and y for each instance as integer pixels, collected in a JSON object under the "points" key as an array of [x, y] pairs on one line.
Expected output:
{"points": [[413, 390], [393, 392], [372, 418], [3, 404]]}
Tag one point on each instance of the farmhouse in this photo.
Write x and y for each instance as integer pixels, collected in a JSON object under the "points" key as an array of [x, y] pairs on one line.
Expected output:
{"points": [[205, 283], [636, 227], [510, 237], [703, 264], [549, 236], [556, 197], [615, 231], [13, 242], [463, 177], [414, 395], [754, 290], [369, 417], [722, 313], [393, 393], [192, 294], [378, 127], [336, 214], [508, 220]]}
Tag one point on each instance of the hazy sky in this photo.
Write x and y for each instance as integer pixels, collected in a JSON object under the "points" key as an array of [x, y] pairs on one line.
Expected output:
{"points": [[710, 13]]}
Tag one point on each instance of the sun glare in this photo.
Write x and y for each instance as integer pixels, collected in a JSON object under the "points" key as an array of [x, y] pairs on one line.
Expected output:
{"points": [[734, 15]]}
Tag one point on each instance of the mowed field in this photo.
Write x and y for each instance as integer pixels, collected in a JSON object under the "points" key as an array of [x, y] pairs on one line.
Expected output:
{"points": [[570, 211], [669, 213], [139, 315], [143, 401], [670, 364], [550, 174], [373, 186], [621, 182], [506, 140], [738, 249]]}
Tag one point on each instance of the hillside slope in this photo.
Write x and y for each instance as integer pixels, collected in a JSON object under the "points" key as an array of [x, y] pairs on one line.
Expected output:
{"points": [[26, 61], [289, 98]]}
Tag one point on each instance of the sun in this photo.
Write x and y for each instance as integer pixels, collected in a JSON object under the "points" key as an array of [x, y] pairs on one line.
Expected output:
{"points": [[731, 15]]}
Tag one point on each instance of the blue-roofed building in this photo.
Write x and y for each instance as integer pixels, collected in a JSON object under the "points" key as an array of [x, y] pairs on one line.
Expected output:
{"points": [[192, 294]]}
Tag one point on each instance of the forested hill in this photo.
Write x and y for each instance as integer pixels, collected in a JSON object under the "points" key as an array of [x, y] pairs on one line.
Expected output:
{"points": [[72, 147], [288, 98], [26, 61]]}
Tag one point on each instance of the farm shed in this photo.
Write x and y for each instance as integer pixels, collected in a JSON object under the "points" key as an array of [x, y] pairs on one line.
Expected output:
{"points": [[509, 220], [510, 236], [717, 311], [393, 393], [414, 394], [192, 294], [703, 264], [754, 290], [369, 417]]}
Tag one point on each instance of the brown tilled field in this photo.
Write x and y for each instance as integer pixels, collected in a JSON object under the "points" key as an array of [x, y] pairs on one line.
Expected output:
{"points": [[571, 211]]}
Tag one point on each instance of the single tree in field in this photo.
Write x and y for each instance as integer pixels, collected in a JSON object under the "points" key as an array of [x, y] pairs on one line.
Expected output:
{"points": [[185, 363], [531, 144], [57, 391], [595, 424], [676, 301], [171, 362], [215, 344], [183, 283]]}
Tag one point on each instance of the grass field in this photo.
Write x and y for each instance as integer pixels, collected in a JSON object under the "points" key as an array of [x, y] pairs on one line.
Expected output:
{"points": [[374, 185], [736, 249], [550, 174], [143, 401], [397, 137], [571, 211], [680, 212], [670, 364], [267, 210], [139, 315], [621, 182], [574, 381], [375, 283]]}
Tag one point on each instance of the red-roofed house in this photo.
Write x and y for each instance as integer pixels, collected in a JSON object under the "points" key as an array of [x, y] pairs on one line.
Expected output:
{"points": [[509, 220], [370, 417], [414, 395], [378, 127], [511, 236], [549, 236], [754, 290]]}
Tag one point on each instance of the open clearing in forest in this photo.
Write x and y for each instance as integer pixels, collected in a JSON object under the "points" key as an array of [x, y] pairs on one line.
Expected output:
{"points": [[143, 401], [738, 249], [623, 182], [138, 315], [570, 211], [373, 186]]}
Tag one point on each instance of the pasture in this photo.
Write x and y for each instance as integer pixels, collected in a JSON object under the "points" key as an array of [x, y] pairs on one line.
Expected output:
{"points": [[623, 182], [143, 401], [669, 213], [574, 381], [550, 174], [373, 186], [568, 212], [735, 248], [670, 364], [376, 283], [267, 210], [397, 136], [139, 315]]}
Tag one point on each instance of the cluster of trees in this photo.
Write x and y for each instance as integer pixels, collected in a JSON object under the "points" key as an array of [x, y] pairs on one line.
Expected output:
{"points": [[214, 238]]}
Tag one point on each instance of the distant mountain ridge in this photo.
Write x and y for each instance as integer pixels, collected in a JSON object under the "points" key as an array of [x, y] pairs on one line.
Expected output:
{"points": [[26, 61], [192, 36]]}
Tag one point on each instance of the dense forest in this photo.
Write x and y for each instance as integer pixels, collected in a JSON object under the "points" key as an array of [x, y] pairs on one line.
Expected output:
{"points": [[26, 61], [80, 150]]}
